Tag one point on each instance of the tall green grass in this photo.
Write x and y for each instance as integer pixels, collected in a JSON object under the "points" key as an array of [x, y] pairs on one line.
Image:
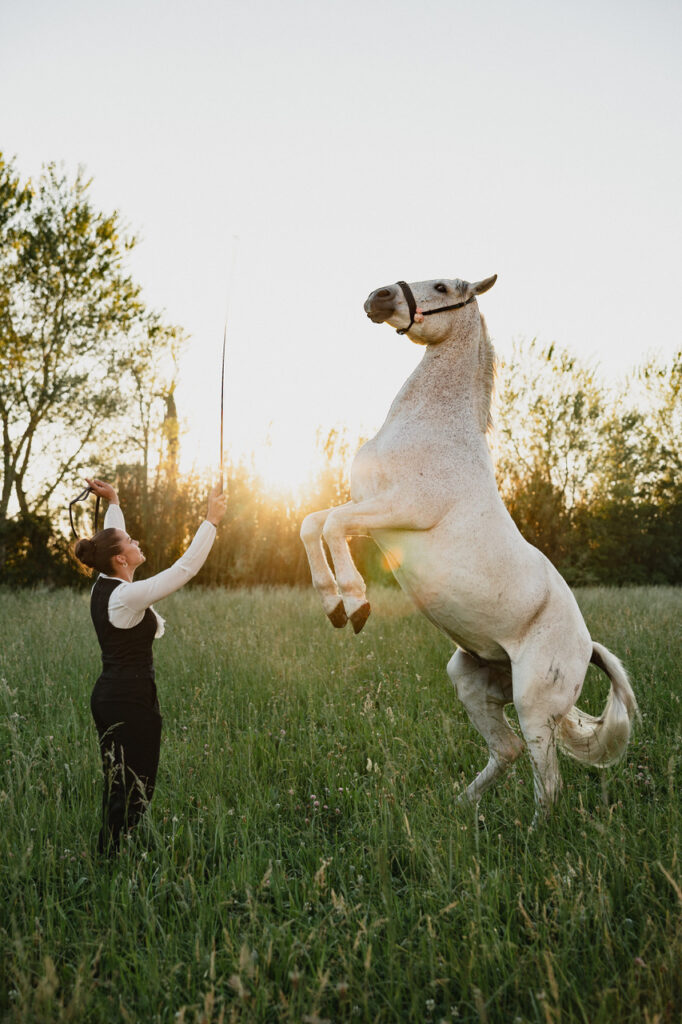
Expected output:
{"points": [[303, 859]]}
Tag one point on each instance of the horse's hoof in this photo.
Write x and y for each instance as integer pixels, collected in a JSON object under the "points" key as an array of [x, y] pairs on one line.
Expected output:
{"points": [[338, 617], [360, 616]]}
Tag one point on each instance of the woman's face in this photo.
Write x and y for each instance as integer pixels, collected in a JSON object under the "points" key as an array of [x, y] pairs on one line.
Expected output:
{"points": [[129, 551]]}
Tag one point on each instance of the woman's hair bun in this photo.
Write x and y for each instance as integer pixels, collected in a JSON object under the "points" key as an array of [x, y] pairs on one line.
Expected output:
{"points": [[84, 551], [97, 552]]}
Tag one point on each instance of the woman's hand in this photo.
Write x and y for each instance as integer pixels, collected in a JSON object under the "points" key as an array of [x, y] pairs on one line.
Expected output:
{"points": [[104, 490], [217, 504]]}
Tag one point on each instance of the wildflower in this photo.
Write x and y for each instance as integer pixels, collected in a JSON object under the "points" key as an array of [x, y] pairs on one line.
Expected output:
{"points": [[430, 1005]]}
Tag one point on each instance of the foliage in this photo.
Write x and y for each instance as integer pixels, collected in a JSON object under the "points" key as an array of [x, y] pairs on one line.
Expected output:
{"points": [[258, 541], [33, 553], [73, 330], [591, 477], [303, 858], [550, 412]]}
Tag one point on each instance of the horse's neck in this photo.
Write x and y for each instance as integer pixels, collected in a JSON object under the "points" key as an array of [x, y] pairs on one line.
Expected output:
{"points": [[449, 386]]}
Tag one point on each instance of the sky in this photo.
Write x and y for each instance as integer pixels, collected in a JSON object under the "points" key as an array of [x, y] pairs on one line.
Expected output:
{"points": [[280, 160]]}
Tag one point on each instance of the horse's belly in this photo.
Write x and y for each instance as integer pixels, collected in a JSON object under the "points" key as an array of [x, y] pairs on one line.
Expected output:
{"points": [[475, 607]]}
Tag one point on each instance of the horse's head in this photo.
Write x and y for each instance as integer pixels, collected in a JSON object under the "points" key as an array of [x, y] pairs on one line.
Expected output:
{"points": [[410, 308]]}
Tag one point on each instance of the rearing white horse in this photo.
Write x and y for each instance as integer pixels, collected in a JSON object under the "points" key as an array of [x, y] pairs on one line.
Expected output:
{"points": [[424, 489]]}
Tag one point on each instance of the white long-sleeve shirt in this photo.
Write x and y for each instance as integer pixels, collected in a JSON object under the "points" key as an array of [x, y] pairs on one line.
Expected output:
{"points": [[129, 602]]}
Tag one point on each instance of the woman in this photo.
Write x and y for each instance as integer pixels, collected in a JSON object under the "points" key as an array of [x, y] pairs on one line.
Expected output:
{"points": [[124, 702]]}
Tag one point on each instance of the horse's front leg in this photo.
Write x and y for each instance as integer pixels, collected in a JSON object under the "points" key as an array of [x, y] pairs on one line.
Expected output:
{"points": [[358, 519], [322, 576]]}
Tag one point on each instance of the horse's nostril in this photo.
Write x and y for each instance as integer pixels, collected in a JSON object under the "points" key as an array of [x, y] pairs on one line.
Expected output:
{"points": [[383, 293]]}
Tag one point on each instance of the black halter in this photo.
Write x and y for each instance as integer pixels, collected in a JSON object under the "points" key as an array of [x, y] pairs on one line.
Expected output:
{"points": [[81, 497], [412, 306]]}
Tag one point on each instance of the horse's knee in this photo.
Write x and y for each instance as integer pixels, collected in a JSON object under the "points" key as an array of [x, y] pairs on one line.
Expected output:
{"points": [[330, 529], [311, 528]]}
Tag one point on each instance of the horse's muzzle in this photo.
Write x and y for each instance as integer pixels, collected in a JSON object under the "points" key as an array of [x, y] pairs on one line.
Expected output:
{"points": [[380, 305]]}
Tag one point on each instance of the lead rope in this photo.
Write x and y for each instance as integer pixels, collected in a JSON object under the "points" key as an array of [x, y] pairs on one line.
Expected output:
{"points": [[81, 497]]}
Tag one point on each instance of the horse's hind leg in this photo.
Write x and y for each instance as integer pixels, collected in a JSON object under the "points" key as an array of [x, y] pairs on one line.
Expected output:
{"points": [[546, 686], [484, 691]]}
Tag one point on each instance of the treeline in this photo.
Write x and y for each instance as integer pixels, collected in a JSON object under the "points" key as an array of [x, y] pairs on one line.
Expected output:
{"points": [[592, 474]]}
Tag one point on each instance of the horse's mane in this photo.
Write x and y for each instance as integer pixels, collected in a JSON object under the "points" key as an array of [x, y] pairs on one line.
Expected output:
{"points": [[487, 364]]}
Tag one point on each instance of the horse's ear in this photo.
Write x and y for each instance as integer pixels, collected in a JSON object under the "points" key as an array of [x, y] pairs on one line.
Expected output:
{"points": [[483, 286]]}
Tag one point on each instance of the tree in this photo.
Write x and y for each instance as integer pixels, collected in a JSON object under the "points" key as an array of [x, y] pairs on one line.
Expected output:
{"points": [[70, 320], [594, 479], [662, 413], [151, 433], [551, 408], [633, 526]]}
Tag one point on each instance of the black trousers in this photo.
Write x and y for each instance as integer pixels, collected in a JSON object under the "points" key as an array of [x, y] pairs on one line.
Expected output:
{"points": [[128, 724]]}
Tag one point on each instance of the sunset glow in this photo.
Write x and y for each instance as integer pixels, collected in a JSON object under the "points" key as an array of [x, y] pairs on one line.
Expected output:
{"points": [[185, 152]]}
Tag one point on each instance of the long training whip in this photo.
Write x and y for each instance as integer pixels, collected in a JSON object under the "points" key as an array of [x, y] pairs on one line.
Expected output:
{"points": [[230, 288], [235, 239], [222, 408]]}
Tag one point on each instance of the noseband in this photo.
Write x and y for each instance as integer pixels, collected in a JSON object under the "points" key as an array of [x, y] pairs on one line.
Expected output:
{"points": [[417, 315]]}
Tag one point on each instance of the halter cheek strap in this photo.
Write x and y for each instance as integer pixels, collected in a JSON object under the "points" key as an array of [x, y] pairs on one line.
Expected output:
{"points": [[416, 314]]}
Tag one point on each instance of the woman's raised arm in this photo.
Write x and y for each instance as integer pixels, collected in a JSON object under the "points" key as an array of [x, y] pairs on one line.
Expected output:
{"points": [[139, 595], [114, 518]]}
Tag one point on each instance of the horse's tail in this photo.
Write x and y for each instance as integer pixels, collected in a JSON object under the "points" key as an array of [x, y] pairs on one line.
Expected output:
{"points": [[602, 741]]}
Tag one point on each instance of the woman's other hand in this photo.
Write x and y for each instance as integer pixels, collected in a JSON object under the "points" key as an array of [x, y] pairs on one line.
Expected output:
{"points": [[217, 504], [104, 490]]}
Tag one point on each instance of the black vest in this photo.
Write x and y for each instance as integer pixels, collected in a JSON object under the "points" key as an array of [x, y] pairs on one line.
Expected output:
{"points": [[126, 653]]}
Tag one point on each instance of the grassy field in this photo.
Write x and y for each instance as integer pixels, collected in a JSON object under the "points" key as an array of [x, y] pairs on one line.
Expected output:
{"points": [[303, 859]]}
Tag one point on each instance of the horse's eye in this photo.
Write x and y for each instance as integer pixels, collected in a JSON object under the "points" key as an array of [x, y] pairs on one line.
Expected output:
{"points": [[440, 288]]}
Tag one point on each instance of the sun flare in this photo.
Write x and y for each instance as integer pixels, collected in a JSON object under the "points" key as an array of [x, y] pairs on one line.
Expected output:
{"points": [[286, 469]]}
